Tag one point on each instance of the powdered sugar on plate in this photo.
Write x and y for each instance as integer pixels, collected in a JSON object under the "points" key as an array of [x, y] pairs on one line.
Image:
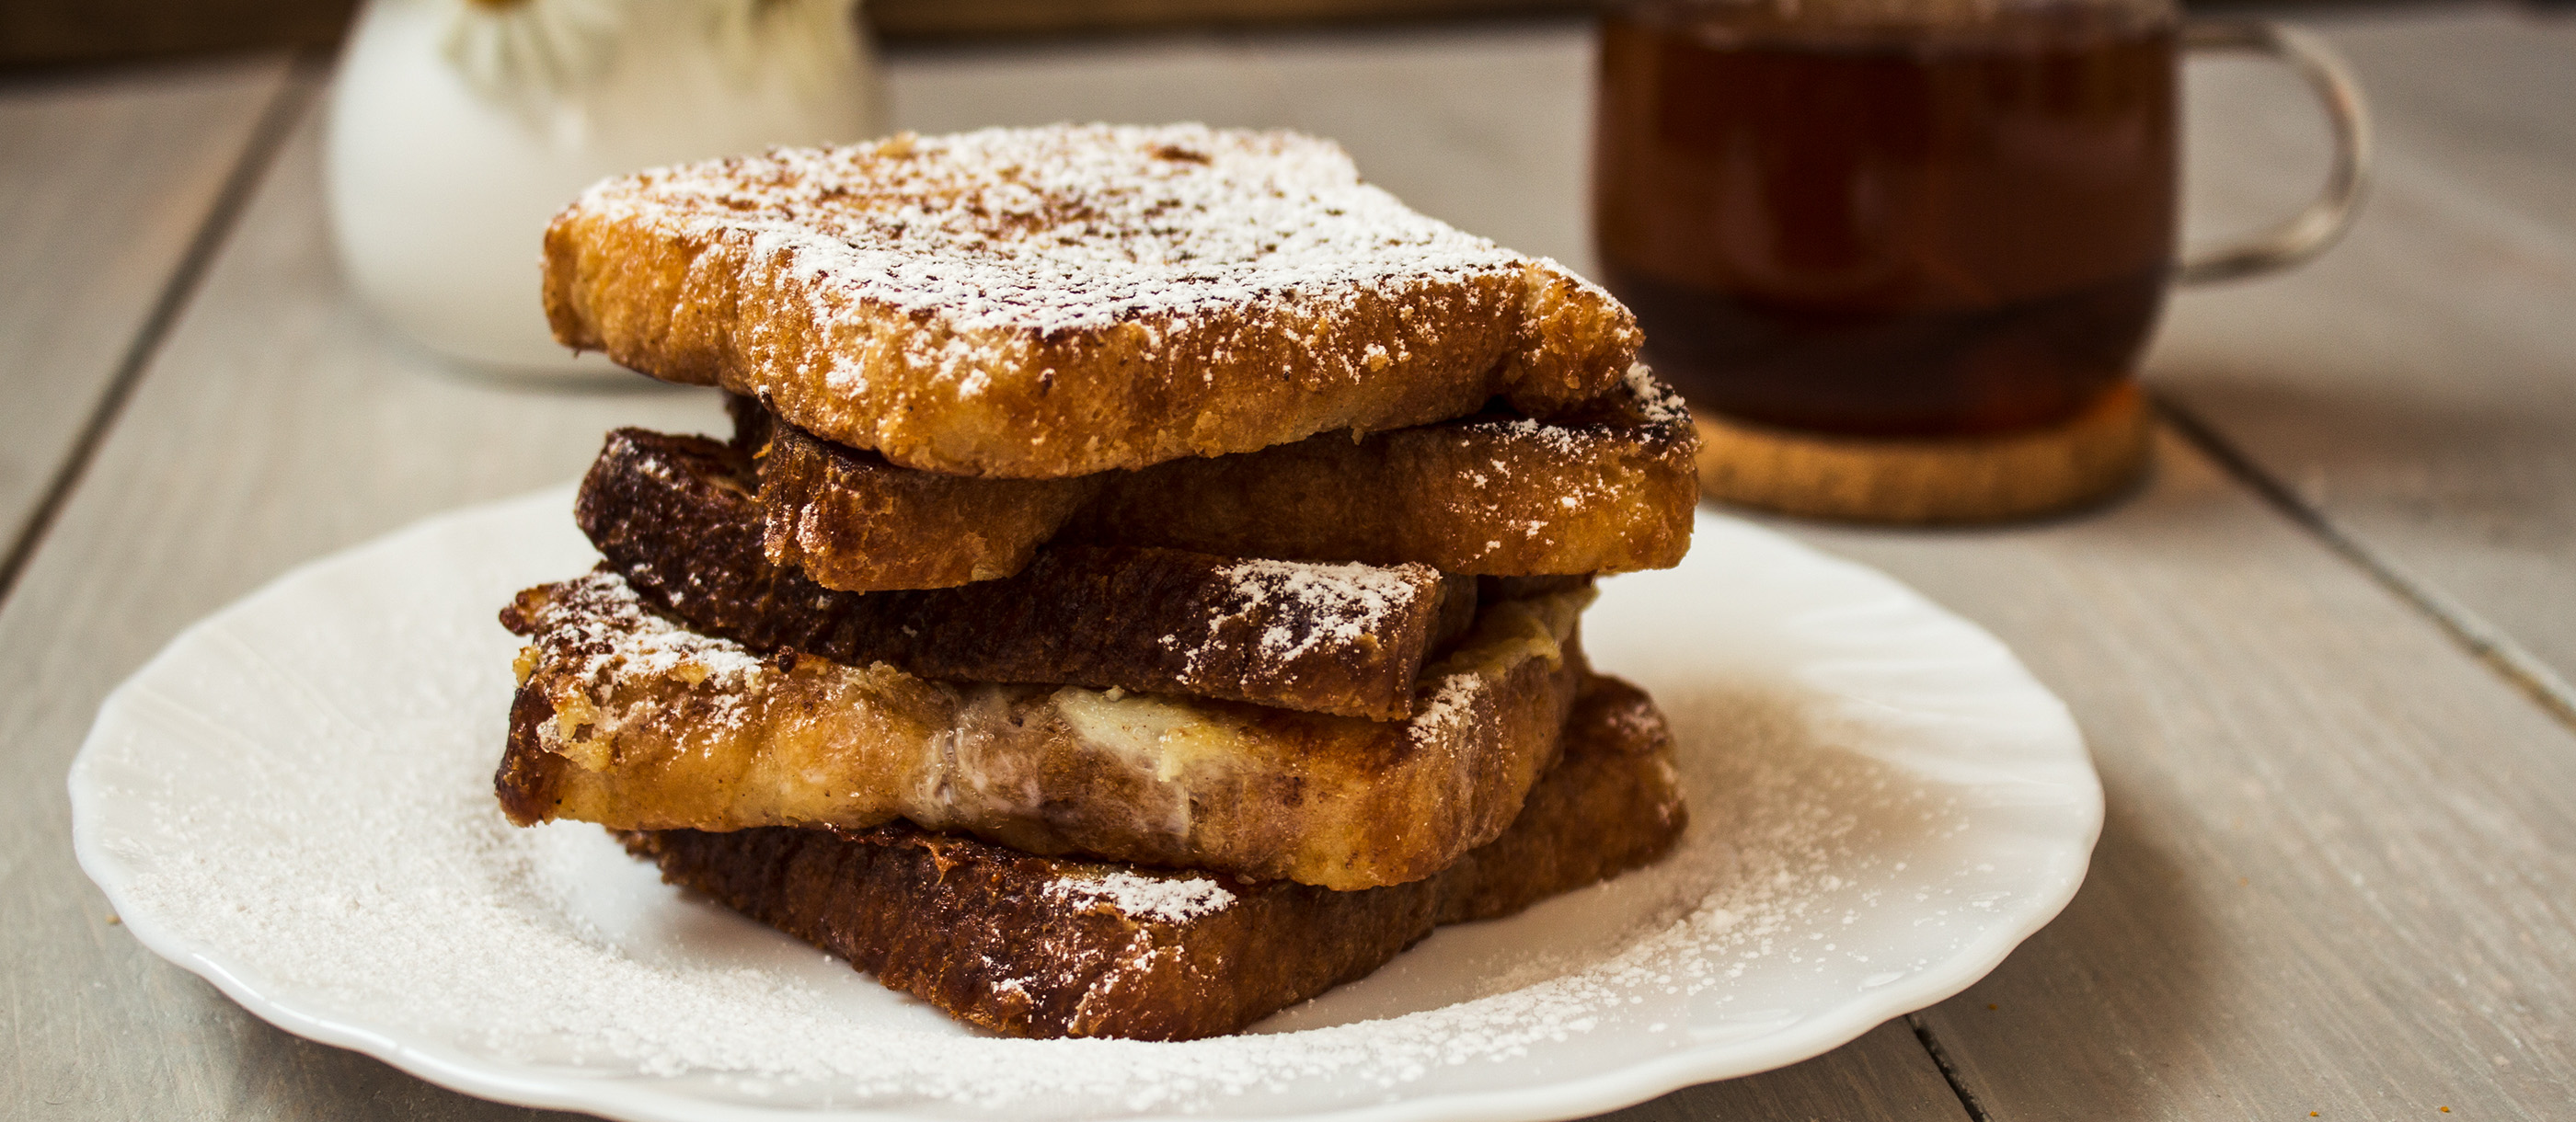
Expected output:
{"points": [[295, 799]]}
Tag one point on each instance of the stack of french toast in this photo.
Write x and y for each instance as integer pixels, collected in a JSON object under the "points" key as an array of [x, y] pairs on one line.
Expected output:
{"points": [[1140, 590]]}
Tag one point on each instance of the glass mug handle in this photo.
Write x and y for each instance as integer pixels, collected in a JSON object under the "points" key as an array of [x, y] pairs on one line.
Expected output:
{"points": [[2309, 232]]}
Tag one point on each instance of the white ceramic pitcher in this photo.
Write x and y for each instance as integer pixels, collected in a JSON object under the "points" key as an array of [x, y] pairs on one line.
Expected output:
{"points": [[459, 127]]}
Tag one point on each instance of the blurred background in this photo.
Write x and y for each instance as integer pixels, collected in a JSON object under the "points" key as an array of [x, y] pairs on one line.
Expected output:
{"points": [[54, 33], [45, 33]]}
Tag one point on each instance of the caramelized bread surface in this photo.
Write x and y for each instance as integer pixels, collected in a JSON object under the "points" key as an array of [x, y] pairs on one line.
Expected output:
{"points": [[1049, 947], [852, 521], [675, 516], [630, 720], [1607, 487], [1039, 303]]}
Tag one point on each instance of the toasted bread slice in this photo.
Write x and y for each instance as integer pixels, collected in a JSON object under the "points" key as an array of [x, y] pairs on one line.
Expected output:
{"points": [[1036, 946], [626, 719], [1605, 488], [1039, 303], [852, 521], [674, 515]]}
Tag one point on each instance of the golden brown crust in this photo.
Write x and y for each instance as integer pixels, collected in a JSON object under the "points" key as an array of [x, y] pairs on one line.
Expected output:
{"points": [[1608, 488], [1034, 946], [1613, 803], [673, 516], [854, 522], [1057, 302], [656, 727], [1605, 487]]}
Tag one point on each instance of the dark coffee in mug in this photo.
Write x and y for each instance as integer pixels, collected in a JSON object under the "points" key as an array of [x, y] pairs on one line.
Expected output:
{"points": [[1960, 228]]}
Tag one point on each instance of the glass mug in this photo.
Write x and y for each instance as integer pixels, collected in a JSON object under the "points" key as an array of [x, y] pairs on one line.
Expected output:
{"points": [[1915, 217]]}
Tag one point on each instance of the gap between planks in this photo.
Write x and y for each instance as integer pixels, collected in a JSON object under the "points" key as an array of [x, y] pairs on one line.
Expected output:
{"points": [[2482, 640], [1949, 1072], [277, 121]]}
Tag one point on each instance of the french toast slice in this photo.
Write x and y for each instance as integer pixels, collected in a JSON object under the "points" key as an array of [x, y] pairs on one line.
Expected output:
{"points": [[1049, 302], [675, 516], [629, 720], [1049, 947], [1607, 487]]}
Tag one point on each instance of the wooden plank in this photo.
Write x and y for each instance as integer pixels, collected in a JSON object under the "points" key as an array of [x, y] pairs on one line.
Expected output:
{"points": [[277, 424], [60, 32], [972, 19], [2339, 870], [108, 182], [2413, 385], [1884, 1074], [917, 21]]}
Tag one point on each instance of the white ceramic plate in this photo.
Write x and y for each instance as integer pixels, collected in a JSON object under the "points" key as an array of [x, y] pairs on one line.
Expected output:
{"points": [[294, 801]]}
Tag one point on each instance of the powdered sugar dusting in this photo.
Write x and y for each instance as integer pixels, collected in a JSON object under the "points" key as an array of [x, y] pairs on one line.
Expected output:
{"points": [[601, 635], [1165, 898], [607, 636], [1586, 463], [1058, 229], [1451, 704], [1656, 402], [1308, 607]]}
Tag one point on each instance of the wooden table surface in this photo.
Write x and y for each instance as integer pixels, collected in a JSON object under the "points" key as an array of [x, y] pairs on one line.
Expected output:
{"points": [[2322, 657]]}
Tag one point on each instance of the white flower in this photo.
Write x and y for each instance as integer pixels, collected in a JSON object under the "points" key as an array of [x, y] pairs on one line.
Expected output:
{"points": [[516, 47]]}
